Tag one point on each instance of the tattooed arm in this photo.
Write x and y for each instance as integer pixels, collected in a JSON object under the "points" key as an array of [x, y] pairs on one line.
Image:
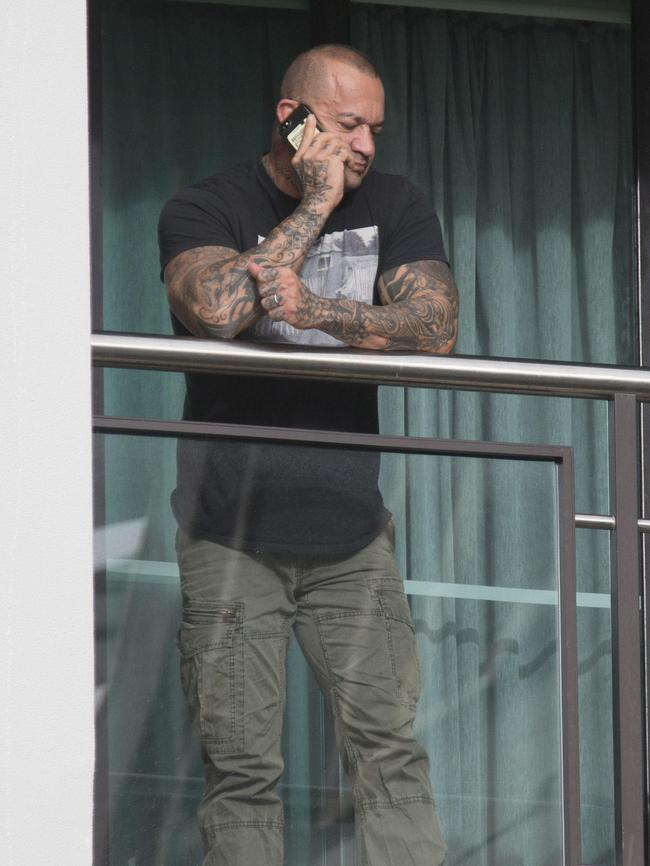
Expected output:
{"points": [[419, 312], [422, 308], [211, 289]]}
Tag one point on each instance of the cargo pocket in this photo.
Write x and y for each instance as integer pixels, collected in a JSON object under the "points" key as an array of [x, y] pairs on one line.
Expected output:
{"points": [[210, 642], [402, 644]]}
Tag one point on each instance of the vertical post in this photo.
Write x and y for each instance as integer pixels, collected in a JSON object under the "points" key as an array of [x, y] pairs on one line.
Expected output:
{"points": [[568, 654], [100, 788], [94, 38], [641, 96], [626, 640], [100, 633]]}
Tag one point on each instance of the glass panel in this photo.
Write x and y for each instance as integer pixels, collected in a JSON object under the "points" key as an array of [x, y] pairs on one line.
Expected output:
{"points": [[582, 425], [486, 614], [483, 599]]}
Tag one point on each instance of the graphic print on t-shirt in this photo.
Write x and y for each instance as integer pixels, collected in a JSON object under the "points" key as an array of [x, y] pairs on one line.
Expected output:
{"points": [[341, 265]]}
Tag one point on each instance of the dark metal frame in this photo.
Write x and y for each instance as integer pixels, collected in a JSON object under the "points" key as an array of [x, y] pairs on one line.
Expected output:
{"points": [[629, 782], [567, 625], [641, 96]]}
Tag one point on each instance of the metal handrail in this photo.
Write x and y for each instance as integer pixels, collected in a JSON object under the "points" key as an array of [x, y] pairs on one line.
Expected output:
{"points": [[191, 354]]}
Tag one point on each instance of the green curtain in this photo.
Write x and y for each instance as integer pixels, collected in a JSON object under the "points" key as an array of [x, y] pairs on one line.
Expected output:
{"points": [[520, 132]]}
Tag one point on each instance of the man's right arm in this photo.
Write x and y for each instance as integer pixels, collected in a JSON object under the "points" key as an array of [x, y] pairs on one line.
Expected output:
{"points": [[209, 287]]}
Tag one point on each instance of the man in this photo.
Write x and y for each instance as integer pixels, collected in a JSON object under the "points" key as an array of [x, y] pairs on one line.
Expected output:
{"points": [[308, 247]]}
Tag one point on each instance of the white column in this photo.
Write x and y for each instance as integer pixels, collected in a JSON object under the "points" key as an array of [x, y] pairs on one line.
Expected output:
{"points": [[46, 641]]}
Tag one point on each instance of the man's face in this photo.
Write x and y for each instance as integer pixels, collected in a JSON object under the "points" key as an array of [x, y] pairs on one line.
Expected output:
{"points": [[351, 104]]}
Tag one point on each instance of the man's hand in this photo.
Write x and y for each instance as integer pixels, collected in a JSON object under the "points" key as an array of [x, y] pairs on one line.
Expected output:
{"points": [[419, 311], [320, 164], [283, 295]]}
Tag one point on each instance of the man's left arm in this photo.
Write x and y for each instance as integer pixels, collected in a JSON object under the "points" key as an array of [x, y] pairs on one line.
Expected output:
{"points": [[419, 311]]}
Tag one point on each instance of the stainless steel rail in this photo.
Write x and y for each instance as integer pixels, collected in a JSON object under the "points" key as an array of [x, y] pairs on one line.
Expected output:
{"points": [[596, 521], [190, 354]]}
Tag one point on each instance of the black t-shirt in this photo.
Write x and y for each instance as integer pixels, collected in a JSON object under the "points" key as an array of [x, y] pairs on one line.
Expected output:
{"points": [[285, 498]]}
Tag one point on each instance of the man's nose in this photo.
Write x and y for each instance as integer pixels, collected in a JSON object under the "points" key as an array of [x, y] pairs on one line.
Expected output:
{"points": [[362, 141]]}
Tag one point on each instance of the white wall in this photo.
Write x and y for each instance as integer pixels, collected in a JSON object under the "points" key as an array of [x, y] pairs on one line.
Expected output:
{"points": [[46, 663]]}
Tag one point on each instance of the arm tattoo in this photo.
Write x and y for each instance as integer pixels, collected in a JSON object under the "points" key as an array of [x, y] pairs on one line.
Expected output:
{"points": [[210, 289], [313, 179], [420, 312]]}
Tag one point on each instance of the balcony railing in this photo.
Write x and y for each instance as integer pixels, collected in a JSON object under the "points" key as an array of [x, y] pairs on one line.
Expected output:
{"points": [[624, 387]]}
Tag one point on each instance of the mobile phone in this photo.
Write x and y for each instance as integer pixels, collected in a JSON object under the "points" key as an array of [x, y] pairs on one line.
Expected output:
{"points": [[293, 128]]}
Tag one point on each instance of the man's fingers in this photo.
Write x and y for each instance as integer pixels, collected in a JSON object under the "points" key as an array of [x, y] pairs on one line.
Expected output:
{"points": [[315, 142], [261, 274], [266, 289], [308, 135], [272, 301], [327, 144]]}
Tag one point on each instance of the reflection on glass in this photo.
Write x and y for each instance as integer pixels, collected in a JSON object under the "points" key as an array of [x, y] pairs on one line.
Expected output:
{"points": [[480, 574], [482, 570]]}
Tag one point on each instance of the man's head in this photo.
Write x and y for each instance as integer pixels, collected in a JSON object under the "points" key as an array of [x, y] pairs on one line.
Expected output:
{"points": [[342, 88]]}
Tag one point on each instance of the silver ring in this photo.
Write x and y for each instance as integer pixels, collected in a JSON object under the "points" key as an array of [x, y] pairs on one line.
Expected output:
{"points": [[276, 299]]}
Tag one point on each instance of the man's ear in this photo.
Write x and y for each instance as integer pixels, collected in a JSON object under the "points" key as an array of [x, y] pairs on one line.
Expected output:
{"points": [[284, 108]]}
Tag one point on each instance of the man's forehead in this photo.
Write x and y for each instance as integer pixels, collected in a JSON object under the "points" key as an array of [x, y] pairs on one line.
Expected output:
{"points": [[350, 92], [336, 76]]}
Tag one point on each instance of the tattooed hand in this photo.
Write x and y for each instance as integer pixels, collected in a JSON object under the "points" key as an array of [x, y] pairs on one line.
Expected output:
{"points": [[320, 164], [283, 296], [419, 312]]}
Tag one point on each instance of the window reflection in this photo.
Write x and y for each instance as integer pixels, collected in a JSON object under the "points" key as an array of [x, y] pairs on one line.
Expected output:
{"points": [[488, 665]]}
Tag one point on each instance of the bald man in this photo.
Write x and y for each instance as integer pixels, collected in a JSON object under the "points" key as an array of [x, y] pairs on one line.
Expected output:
{"points": [[309, 247]]}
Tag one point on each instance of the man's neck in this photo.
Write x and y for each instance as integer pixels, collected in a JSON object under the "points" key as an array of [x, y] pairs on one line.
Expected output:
{"points": [[280, 171]]}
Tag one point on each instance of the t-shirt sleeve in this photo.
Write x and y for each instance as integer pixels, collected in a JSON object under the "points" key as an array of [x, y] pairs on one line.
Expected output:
{"points": [[415, 234], [192, 218]]}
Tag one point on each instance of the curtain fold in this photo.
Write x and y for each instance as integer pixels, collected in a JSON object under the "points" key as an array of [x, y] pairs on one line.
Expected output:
{"points": [[520, 132]]}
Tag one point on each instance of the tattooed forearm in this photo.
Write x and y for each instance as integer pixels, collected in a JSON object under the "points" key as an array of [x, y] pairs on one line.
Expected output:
{"points": [[420, 312], [210, 289], [313, 176], [192, 279]]}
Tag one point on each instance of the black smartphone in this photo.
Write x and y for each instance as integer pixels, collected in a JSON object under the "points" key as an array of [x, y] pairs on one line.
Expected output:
{"points": [[293, 128]]}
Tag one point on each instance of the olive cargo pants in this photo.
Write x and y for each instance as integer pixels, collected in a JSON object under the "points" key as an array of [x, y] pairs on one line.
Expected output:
{"points": [[353, 624]]}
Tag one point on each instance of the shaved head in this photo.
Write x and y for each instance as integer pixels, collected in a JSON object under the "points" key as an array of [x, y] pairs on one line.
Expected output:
{"points": [[307, 77], [343, 90]]}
